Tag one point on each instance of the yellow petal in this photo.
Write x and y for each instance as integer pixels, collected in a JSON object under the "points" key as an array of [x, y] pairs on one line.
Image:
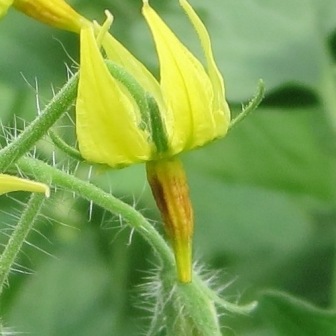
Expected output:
{"points": [[117, 53], [216, 79], [107, 118], [10, 183], [4, 5], [186, 88], [56, 13]]}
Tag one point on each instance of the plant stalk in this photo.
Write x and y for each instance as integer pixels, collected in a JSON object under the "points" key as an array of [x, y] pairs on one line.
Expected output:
{"points": [[19, 236]]}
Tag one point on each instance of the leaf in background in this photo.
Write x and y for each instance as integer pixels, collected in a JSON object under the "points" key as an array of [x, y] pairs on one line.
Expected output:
{"points": [[77, 293], [256, 194], [285, 150], [281, 42], [277, 41], [33, 51], [286, 315], [244, 220]]}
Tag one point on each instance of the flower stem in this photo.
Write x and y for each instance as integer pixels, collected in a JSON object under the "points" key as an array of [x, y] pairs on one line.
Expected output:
{"points": [[195, 300], [35, 131], [64, 147], [19, 236], [44, 172]]}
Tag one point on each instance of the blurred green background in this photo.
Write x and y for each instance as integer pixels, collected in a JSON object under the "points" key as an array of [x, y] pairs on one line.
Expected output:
{"points": [[264, 196]]}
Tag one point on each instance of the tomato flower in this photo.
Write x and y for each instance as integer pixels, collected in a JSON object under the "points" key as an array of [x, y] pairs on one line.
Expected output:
{"points": [[124, 115], [189, 109]]}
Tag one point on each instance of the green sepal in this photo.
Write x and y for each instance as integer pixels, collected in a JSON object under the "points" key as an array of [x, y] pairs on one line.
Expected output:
{"points": [[151, 119]]}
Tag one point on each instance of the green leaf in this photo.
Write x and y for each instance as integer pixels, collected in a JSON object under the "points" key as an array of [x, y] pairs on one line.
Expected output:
{"points": [[246, 220], [276, 41], [77, 293], [281, 42], [286, 315], [258, 195], [275, 149]]}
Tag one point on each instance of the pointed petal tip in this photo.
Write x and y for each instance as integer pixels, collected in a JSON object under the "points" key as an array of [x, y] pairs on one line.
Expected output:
{"points": [[145, 4], [9, 183], [109, 16], [102, 30]]}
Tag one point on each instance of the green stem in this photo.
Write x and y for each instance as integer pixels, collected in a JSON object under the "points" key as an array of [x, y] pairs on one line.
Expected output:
{"points": [[19, 236], [194, 300], [45, 173], [64, 147], [134, 89], [204, 317], [228, 306], [148, 107], [35, 131]]}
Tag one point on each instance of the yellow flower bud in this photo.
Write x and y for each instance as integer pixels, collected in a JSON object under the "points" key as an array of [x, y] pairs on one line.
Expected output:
{"points": [[56, 13]]}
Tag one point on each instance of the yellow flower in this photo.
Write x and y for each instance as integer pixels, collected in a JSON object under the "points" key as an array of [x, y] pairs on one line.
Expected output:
{"points": [[124, 115], [10, 183], [56, 13], [190, 107]]}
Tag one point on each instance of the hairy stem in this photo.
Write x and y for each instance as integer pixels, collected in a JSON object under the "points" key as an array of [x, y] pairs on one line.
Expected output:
{"points": [[64, 147], [195, 301], [45, 173], [39, 127], [19, 236]]}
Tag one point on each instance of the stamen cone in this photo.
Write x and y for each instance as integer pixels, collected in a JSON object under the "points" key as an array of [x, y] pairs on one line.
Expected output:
{"points": [[170, 190]]}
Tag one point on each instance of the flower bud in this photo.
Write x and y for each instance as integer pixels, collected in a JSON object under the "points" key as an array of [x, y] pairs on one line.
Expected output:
{"points": [[56, 13]]}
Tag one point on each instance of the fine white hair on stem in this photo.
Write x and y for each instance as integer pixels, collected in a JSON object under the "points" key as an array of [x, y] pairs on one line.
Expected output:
{"points": [[90, 210], [130, 237], [37, 98], [66, 52], [35, 88]]}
